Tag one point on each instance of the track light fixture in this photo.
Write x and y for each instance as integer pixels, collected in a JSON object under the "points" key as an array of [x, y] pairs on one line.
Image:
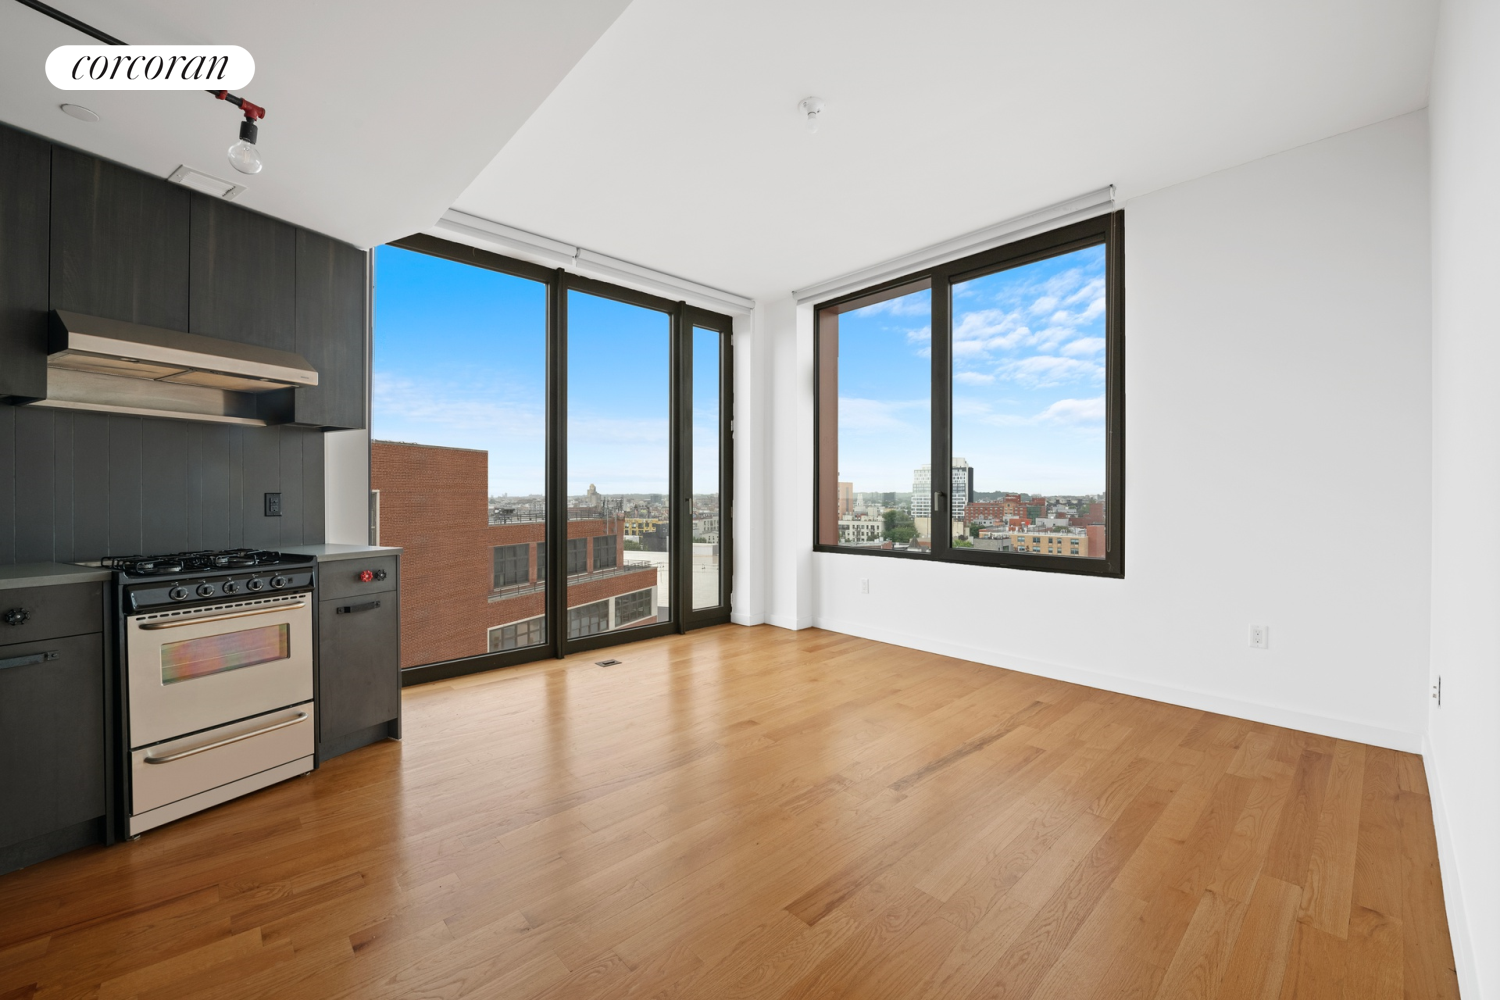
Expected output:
{"points": [[243, 156]]}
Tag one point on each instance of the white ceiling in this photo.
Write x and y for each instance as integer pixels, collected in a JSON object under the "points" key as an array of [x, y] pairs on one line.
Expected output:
{"points": [[378, 114], [675, 142]]}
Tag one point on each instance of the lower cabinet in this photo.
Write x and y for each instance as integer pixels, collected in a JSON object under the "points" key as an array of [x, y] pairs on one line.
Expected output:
{"points": [[52, 784], [359, 671]]}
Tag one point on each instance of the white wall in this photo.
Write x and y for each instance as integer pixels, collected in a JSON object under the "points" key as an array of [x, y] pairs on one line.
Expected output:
{"points": [[346, 487], [1278, 384], [1464, 763]]}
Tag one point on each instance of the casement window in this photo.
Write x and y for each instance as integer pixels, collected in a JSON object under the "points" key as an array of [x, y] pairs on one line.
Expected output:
{"points": [[633, 607], [590, 619], [1004, 370], [532, 632], [578, 556], [512, 565], [604, 552]]}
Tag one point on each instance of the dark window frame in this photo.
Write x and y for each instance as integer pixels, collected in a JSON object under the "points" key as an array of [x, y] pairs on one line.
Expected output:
{"points": [[1107, 230], [552, 553], [578, 556]]}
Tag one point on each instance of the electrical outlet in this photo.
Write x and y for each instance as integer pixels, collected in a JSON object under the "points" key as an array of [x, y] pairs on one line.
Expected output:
{"points": [[864, 585], [273, 504], [1260, 636], [1437, 691]]}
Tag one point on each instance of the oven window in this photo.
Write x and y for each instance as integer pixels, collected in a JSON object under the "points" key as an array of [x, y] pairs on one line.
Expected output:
{"points": [[216, 654]]}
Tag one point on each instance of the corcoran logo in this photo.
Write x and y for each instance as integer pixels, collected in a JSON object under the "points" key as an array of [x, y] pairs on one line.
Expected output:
{"points": [[150, 67]]}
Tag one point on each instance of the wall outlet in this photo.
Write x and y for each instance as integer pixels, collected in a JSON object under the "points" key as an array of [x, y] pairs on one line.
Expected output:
{"points": [[1260, 636], [273, 504], [864, 585]]}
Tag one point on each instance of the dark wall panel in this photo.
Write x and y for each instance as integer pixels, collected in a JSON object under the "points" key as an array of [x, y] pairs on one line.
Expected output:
{"points": [[119, 242], [244, 275], [25, 179], [78, 486]]}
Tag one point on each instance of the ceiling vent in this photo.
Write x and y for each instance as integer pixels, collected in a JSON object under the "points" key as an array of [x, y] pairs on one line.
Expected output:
{"points": [[203, 183]]}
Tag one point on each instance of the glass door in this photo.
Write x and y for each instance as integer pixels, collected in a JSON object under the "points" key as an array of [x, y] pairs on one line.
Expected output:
{"points": [[707, 432], [618, 551]]}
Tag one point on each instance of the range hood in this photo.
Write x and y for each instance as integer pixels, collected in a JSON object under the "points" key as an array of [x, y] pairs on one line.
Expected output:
{"points": [[118, 367]]}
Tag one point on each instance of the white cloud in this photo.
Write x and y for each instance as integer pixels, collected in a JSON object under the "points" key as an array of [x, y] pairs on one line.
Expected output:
{"points": [[911, 304], [1084, 346], [1073, 411], [1044, 370], [973, 378]]}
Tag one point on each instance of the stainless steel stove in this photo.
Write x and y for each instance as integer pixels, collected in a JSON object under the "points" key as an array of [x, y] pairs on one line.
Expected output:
{"points": [[218, 667]]}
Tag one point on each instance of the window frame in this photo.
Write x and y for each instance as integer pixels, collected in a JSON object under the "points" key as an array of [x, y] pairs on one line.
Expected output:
{"points": [[500, 563], [1107, 230]]}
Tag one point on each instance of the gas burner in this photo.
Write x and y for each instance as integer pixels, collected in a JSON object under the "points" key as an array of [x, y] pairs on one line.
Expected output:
{"points": [[193, 562]]}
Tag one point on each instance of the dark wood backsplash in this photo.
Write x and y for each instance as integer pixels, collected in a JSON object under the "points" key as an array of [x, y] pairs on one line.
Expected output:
{"points": [[81, 233]]}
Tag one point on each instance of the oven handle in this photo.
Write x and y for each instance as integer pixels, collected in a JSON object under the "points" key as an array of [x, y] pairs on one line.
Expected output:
{"points": [[180, 622], [301, 717]]}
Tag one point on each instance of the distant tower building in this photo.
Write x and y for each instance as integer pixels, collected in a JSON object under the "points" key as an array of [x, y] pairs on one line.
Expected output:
{"points": [[846, 499], [962, 487]]}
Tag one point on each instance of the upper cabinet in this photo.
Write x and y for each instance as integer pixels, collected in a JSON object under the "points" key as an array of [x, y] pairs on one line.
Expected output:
{"points": [[331, 323], [119, 242], [25, 165], [244, 276]]}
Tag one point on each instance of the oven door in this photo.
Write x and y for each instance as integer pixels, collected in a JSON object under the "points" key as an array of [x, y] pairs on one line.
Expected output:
{"points": [[194, 668]]}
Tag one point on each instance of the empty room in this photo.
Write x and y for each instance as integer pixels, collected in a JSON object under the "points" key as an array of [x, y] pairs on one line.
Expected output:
{"points": [[677, 499]]}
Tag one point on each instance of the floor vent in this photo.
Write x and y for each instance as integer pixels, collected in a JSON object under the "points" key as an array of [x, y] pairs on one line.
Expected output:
{"points": [[606, 663]]}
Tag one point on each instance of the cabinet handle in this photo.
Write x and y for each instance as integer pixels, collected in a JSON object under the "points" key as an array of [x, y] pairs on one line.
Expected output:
{"points": [[16, 616], [301, 717], [26, 661], [350, 609], [182, 622]]}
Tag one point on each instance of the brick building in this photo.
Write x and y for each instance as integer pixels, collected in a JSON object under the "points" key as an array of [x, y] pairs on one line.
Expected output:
{"points": [[470, 586]]}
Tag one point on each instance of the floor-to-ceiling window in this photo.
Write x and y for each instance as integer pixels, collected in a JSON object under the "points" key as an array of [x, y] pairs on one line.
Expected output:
{"points": [[528, 424]]}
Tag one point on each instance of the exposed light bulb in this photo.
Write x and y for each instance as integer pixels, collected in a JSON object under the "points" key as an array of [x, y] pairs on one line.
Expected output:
{"points": [[243, 156], [812, 107]]}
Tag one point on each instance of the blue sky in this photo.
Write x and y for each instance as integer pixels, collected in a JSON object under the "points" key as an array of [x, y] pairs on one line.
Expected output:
{"points": [[1028, 381], [460, 360]]}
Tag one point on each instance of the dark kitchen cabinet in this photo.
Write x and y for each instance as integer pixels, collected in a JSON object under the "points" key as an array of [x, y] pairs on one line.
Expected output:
{"points": [[244, 275], [119, 245], [359, 662], [53, 789], [25, 178], [331, 327]]}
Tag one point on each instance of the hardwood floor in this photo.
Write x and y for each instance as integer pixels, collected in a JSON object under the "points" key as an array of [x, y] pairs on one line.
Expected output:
{"points": [[752, 812]]}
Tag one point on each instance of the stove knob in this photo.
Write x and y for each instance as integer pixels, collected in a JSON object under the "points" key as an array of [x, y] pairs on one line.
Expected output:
{"points": [[230, 587], [365, 575], [205, 590], [255, 583], [178, 593], [277, 582]]}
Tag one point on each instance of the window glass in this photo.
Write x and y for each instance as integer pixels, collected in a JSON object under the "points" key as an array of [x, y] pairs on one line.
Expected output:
{"points": [[875, 421], [578, 556], [707, 414], [458, 451], [633, 607], [217, 654], [619, 455], [604, 552], [512, 565], [1029, 406], [588, 619]]}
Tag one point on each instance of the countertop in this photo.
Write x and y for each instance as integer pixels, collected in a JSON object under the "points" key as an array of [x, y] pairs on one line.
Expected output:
{"points": [[47, 574], [333, 552]]}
